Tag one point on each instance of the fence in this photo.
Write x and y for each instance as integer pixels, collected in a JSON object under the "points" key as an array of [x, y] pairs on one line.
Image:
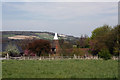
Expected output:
{"points": [[56, 57]]}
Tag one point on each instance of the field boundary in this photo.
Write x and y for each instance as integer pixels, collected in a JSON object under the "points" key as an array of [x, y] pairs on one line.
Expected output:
{"points": [[55, 58]]}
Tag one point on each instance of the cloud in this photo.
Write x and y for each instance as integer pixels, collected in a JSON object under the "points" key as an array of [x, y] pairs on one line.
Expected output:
{"points": [[65, 10], [75, 28], [67, 18]]}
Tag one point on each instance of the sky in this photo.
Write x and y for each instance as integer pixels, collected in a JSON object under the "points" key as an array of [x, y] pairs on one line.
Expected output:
{"points": [[70, 18]]}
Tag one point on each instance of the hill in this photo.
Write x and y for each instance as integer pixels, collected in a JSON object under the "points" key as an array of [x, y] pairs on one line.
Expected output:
{"points": [[39, 35], [17, 36]]}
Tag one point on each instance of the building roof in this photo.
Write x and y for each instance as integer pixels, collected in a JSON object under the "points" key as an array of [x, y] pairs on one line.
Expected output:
{"points": [[55, 37]]}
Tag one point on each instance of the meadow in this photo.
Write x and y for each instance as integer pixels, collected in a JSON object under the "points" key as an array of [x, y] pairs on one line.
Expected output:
{"points": [[60, 69]]}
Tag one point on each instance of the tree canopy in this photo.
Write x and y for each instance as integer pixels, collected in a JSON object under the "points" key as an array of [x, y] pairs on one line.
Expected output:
{"points": [[39, 46], [100, 31], [105, 37]]}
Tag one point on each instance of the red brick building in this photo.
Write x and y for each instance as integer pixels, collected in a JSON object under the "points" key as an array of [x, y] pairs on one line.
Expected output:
{"points": [[55, 45]]}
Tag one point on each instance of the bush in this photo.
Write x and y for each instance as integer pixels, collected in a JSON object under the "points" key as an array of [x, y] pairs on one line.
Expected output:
{"points": [[39, 47], [3, 54], [105, 54], [78, 52], [12, 50]]}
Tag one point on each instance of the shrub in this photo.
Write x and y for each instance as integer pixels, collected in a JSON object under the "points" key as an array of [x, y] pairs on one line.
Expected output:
{"points": [[12, 50], [39, 46], [3, 54], [78, 52], [105, 54]]}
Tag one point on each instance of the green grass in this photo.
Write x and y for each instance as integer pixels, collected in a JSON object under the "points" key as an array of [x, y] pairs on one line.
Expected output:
{"points": [[44, 36], [60, 69], [10, 35]]}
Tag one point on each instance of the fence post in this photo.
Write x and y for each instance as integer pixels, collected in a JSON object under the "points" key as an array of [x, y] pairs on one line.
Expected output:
{"points": [[40, 58], [74, 56], [49, 57], [7, 56]]}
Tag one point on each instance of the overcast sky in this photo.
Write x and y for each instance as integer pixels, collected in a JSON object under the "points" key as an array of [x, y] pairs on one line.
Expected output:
{"points": [[72, 18]]}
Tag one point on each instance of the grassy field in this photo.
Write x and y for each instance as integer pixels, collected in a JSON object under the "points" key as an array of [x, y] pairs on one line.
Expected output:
{"points": [[44, 36], [60, 69]]}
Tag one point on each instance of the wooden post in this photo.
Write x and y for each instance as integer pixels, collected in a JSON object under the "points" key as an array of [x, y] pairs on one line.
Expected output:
{"points": [[40, 58], [49, 56], [7, 56], [74, 56]]}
